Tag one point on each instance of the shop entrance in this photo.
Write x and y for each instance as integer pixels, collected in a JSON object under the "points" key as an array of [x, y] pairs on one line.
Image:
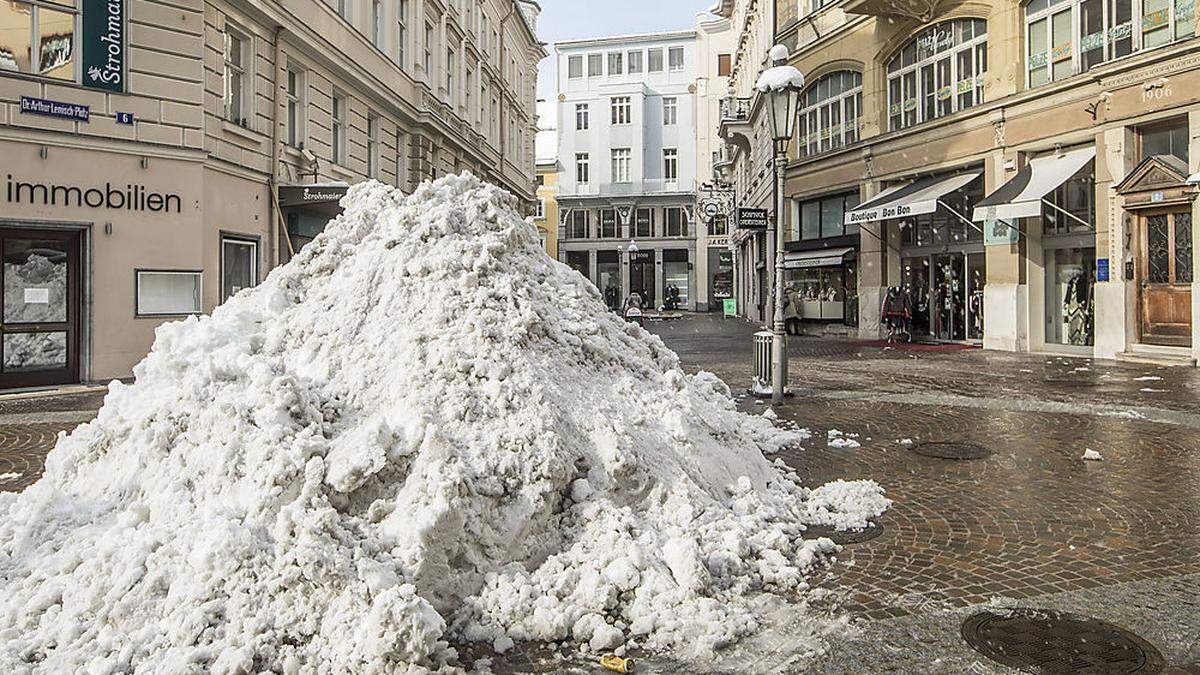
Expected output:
{"points": [[39, 327], [946, 294], [1165, 287], [641, 277]]}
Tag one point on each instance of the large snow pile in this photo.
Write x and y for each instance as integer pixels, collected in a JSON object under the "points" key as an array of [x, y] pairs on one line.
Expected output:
{"points": [[420, 431]]}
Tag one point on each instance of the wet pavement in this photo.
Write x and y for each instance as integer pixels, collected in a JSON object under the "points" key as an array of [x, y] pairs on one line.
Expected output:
{"points": [[1029, 525]]}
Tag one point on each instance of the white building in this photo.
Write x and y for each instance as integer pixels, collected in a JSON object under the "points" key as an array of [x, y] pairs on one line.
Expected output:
{"points": [[715, 40], [627, 147]]}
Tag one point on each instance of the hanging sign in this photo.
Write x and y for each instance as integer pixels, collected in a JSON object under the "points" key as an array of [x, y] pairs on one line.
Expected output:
{"points": [[104, 44], [752, 219]]}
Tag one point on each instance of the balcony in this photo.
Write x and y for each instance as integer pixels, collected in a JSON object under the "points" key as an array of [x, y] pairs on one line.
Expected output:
{"points": [[635, 188], [735, 109], [735, 120]]}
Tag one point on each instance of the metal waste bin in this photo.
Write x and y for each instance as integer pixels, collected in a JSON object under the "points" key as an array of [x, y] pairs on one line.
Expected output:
{"points": [[762, 358]]}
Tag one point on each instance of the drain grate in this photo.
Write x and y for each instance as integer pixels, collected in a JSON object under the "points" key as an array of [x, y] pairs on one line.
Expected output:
{"points": [[951, 450], [843, 536], [1046, 641]]}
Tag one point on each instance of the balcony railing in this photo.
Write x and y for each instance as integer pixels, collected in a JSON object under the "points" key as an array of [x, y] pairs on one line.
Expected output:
{"points": [[734, 109]]}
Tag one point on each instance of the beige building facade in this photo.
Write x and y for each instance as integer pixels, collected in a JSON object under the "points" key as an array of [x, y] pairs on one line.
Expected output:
{"points": [[1015, 174], [159, 157]]}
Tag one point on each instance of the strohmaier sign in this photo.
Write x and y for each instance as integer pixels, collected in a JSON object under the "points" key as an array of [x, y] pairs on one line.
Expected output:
{"points": [[104, 44]]}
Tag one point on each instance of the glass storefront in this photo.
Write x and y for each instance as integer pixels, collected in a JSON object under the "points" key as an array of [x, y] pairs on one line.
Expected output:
{"points": [[675, 276], [1070, 285], [608, 277], [825, 293], [720, 267]]}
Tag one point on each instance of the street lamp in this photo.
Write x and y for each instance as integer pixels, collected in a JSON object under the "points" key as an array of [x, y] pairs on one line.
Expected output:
{"points": [[781, 85]]}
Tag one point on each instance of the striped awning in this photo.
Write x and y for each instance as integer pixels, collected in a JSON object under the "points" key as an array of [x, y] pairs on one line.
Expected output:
{"points": [[918, 197], [1022, 196]]}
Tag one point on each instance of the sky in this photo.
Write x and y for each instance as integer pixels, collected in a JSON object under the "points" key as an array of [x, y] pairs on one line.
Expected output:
{"points": [[574, 19]]}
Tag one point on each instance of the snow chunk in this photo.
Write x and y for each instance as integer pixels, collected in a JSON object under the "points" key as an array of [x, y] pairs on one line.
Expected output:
{"points": [[1092, 455]]}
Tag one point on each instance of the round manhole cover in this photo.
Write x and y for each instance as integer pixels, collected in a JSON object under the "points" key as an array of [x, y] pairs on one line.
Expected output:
{"points": [[843, 536], [951, 450], [1046, 641]]}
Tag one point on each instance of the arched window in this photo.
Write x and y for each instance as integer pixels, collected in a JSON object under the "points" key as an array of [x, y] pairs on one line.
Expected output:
{"points": [[829, 112], [1066, 37], [938, 72]]}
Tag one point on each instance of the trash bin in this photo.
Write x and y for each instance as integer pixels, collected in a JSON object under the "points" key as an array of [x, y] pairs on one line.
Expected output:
{"points": [[762, 358]]}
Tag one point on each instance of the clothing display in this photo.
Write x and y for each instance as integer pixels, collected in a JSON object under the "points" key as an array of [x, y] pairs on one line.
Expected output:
{"points": [[1077, 307], [897, 314]]}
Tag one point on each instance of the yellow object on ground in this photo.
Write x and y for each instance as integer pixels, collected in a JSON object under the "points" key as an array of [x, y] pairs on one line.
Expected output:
{"points": [[614, 662]]}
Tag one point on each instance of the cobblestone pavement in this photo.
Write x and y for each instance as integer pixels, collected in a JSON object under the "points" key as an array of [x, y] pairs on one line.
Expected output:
{"points": [[1032, 524]]}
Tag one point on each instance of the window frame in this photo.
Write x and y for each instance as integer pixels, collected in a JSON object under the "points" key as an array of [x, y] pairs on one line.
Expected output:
{"points": [[1110, 35], [621, 110], [596, 58], [632, 56], [648, 233], [672, 67], [582, 117], [402, 33], [818, 113], [600, 225], [296, 106], [243, 240], [573, 60], [671, 165], [622, 165], [679, 228], [976, 45], [137, 291], [670, 105], [650, 54], [617, 57], [244, 98], [337, 127], [583, 167], [71, 7], [374, 124]]}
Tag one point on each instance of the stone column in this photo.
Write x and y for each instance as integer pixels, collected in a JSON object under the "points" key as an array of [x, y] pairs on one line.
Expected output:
{"points": [[1006, 293], [1115, 299], [873, 269]]}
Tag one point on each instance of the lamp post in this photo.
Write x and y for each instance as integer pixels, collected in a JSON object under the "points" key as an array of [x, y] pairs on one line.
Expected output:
{"points": [[781, 85]]}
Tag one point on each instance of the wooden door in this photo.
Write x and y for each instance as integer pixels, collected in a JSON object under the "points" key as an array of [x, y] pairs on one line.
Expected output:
{"points": [[1166, 278]]}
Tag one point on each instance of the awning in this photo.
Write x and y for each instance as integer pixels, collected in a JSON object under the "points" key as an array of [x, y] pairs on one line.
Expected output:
{"points": [[916, 198], [826, 257], [1022, 196]]}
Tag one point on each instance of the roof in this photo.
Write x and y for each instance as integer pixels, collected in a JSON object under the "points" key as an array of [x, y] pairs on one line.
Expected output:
{"points": [[624, 39]]}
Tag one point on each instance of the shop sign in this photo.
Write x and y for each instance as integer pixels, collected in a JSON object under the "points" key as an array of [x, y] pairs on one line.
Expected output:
{"points": [[752, 219], [1037, 60], [1119, 32], [104, 44], [730, 306], [1089, 42], [1102, 269], [1060, 52], [299, 195], [1155, 19], [130, 197], [718, 241], [623, 213], [999, 232], [641, 256], [67, 111]]}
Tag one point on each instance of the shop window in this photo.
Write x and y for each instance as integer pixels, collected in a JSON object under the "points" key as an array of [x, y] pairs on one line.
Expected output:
{"points": [[676, 275], [608, 224], [720, 266], [1066, 37], [168, 292], [825, 216], [938, 72], [943, 227], [1165, 139], [39, 39], [236, 79], [578, 261], [576, 224], [608, 277], [829, 113], [297, 96], [1072, 205], [675, 221], [239, 265], [644, 223]]}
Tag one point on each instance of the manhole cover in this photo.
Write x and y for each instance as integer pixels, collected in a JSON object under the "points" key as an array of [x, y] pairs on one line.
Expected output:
{"points": [[951, 450], [843, 536], [1046, 641]]}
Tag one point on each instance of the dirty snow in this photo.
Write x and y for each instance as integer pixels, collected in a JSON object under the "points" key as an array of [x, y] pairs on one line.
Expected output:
{"points": [[421, 430], [838, 439], [10, 477]]}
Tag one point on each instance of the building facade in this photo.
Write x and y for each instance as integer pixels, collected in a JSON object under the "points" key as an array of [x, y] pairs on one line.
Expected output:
{"points": [[715, 38], [545, 212], [163, 156], [1016, 173], [626, 143]]}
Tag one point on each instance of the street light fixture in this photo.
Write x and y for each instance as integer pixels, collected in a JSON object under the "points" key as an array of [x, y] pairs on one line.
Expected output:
{"points": [[781, 85]]}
